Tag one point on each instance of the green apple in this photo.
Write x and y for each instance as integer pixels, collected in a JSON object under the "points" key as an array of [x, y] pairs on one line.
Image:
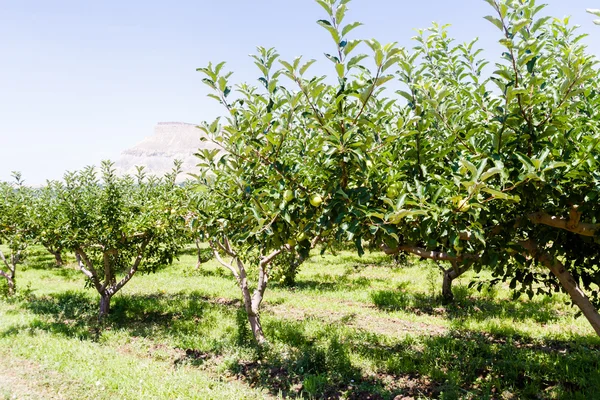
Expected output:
{"points": [[392, 192], [315, 200], [288, 195]]}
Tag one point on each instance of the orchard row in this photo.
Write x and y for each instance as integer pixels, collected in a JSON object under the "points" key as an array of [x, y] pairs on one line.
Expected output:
{"points": [[428, 150]]}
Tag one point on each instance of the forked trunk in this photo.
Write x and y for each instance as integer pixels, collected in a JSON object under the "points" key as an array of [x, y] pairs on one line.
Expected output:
{"points": [[252, 305], [449, 275], [568, 283], [251, 301]]}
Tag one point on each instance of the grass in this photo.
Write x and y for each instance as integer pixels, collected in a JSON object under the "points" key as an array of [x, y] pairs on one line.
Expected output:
{"points": [[356, 328]]}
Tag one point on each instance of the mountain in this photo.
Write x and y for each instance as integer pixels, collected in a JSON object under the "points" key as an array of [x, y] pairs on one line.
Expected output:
{"points": [[170, 141]]}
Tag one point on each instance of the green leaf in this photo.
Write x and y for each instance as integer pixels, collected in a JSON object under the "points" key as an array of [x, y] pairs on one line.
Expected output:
{"points": [[489, 173], [470, 166], [350, 45], [325, 6], [306, 66], [406, 95], [340, 70], [340, 13], [520, 24], [593, 11], [354, 61], [348, 28], [495, 21]]}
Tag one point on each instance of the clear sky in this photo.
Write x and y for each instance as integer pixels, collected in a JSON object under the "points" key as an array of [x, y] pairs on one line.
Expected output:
{"points": [[82, 80]]}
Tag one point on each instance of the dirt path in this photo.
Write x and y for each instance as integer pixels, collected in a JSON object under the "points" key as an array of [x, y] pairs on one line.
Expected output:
{"points": [[381, 325], [22, 379]]}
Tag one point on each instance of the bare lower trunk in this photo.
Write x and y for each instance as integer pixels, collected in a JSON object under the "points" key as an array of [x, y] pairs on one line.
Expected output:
{"points": [[449, 275], [252, 305], [568, 283], [447, 294], [251, 301], [11, 271], [12, 283], [199, 262], [257, 330], [104, 305], [58, 258], [10, 280]]}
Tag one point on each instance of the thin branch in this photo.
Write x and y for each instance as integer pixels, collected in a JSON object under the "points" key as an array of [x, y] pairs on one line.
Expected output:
{"points": [[369, 96], [230, 267], [268, 259], [4, 259], [133, 269]]}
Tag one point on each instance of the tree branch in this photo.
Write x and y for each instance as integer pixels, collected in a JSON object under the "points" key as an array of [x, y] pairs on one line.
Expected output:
{"points": [[132, 270], [4, 259], [4, 274], [571, 224], [567, 281], [268, 259], [90, 271]]}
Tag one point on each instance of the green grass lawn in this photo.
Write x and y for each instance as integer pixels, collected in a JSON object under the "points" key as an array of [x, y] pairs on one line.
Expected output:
{"points": [[356, 328]]}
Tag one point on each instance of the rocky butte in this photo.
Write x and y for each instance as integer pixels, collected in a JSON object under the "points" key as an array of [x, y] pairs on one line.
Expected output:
{"points": [[171, 140]]}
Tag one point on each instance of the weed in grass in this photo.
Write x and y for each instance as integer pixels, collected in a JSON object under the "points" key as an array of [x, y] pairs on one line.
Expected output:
{"points": [[314, 384], [391, 300]]}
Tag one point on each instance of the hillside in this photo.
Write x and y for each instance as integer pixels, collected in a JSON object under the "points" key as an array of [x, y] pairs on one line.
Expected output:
{"points": [[170, 141]]}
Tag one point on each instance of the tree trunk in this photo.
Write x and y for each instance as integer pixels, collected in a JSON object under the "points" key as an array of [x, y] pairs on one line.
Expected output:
{"points": [[199, 261], [10, 280], [568, 283], [251, 302], [256, 326], [11, 268], [449, 275], [447, 295], [252, 306], [58, 258], [104, 305]]}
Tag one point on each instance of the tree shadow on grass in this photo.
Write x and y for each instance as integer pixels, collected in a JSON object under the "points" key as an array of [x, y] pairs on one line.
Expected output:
{"points": [[39, 258], [312, 358], [331, 283], [322, 362], [463, 307]]}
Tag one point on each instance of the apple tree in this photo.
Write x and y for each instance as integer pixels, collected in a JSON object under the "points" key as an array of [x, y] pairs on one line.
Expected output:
{"points": [[117, 226], [47, 222], [15, 229], [294, 154], [498, 170]]}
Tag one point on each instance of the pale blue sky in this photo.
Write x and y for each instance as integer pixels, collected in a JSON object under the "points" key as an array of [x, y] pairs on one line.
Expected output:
{"points": [[81, 80]]}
